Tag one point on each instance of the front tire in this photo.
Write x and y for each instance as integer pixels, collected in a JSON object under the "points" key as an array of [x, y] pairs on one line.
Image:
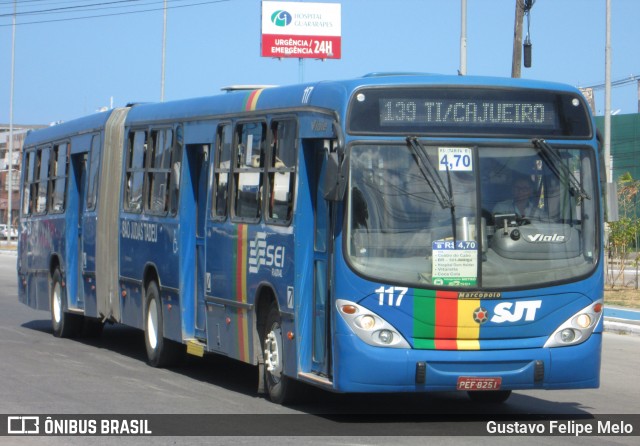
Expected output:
{"points": [[281, 389], [64, 324], [161, 352]]}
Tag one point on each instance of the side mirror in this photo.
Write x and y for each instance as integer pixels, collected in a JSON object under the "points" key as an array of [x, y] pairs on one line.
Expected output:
{"points": [[334, 179]]}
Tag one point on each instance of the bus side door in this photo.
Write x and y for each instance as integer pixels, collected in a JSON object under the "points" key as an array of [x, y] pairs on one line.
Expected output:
{"points": [[321, 356]]}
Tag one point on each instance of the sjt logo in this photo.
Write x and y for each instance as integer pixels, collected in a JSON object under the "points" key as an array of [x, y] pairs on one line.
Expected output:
{"points": [[502, 311]]}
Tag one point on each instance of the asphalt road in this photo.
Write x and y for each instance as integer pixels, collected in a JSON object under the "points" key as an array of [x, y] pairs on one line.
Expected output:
{"points": [[46, 375]]}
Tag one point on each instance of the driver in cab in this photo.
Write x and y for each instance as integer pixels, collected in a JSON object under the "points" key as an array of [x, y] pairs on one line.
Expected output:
{"points": [[522, 203]]}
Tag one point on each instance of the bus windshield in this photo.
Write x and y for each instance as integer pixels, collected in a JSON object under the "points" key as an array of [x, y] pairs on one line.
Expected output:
{"points": [[515, 216]]}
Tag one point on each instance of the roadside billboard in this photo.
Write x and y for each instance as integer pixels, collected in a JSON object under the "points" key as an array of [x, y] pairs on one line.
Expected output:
{"points": [[301, 30]]}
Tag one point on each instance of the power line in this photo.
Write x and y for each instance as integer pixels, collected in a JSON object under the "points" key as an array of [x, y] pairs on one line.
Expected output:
{"points": [[66, 8], [116, 13], [39, 4], [618, 83]]}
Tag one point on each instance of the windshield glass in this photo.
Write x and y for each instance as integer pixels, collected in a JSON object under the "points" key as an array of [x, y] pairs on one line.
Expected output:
{"points": [[506, 217]]}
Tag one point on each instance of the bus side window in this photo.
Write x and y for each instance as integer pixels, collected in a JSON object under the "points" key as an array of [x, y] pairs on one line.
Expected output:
{"points": [[27, 200], [159, 171], [282, 164], [59, 166], [136, 156], [94, 173], [43, 180], [248, 170], [222, 168], [174, 173]]}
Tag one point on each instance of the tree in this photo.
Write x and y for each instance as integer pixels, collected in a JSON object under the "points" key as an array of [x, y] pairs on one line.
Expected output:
{"points": [[623, 234]]}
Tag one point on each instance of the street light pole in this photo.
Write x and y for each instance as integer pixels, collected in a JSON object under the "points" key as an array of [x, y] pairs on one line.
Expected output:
{"points": [[607, 96], [10, 172], [463, 39], [164, 49]]}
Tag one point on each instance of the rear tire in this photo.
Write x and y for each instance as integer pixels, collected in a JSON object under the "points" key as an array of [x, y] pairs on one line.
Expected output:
{"points": [[64, 324], [490, 396], [161, 352]]}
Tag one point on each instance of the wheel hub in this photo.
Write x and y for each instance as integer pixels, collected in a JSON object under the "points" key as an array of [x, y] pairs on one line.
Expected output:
{"points": [[57, 303], [272, 349]]}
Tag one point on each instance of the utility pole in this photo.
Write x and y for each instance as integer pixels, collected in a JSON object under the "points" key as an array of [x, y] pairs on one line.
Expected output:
{"points": [[607, 96], [516, 61]]}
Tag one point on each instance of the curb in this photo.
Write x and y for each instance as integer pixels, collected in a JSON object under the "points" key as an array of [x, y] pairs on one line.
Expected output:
{"points": [[619, 326]]}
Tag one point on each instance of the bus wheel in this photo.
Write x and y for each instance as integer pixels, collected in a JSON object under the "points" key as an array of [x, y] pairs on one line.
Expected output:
{"points": [[279, 386], [65, 325], [491, 397], [161, 352]]}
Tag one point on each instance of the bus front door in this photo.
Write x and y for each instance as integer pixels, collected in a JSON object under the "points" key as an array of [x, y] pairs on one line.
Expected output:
{"points": [[321, 358]]}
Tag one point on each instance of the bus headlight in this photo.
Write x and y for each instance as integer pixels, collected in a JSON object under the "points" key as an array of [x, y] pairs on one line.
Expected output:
{"points": [[366, 322], [567, 335], [578, 327], [385, 336], [370, 327]]}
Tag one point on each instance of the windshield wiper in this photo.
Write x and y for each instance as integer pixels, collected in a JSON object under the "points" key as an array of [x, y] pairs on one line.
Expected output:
{"points": [[430, 173], [553, 160]]}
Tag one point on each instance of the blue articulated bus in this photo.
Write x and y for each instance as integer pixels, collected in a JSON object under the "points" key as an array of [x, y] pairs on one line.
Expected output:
{"points": [[392, 233]]}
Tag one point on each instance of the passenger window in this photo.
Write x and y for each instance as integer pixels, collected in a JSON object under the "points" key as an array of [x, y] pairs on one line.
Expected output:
{"points": [[59, 166], [159, 171], [137, 151], [174, 174], [94, 173], [41, 192], [222, 171], [282, 170], [249, 166], [27, 195]]}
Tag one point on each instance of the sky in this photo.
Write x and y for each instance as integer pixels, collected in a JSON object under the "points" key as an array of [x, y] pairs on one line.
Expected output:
{"points": [[68, 69]]}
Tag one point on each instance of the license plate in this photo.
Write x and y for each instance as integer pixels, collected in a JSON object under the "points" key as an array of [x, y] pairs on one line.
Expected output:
{"points": [[476, 383]]}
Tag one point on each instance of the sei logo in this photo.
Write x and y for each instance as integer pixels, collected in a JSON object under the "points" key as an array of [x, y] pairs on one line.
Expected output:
{"points": [[264, 254], [503, 311]]}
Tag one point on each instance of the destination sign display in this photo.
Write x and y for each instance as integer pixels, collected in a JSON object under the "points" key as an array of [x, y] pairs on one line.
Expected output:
{"points": [[469, 111], [395, 111]]}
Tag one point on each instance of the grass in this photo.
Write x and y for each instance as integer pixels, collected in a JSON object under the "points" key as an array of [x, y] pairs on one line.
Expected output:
{"points": [[622, 296]]}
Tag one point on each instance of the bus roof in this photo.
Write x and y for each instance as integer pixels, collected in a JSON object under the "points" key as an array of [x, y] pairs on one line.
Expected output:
{"points": [[56, 132], [333, 95]]}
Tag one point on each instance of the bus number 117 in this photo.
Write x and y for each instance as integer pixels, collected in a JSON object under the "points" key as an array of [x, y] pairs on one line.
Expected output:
{"points": [[394, 295]]}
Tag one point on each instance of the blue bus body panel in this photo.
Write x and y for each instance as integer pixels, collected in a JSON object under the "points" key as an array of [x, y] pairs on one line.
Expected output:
{"points": [[363, 368], [143, 244], [44, 237]]}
